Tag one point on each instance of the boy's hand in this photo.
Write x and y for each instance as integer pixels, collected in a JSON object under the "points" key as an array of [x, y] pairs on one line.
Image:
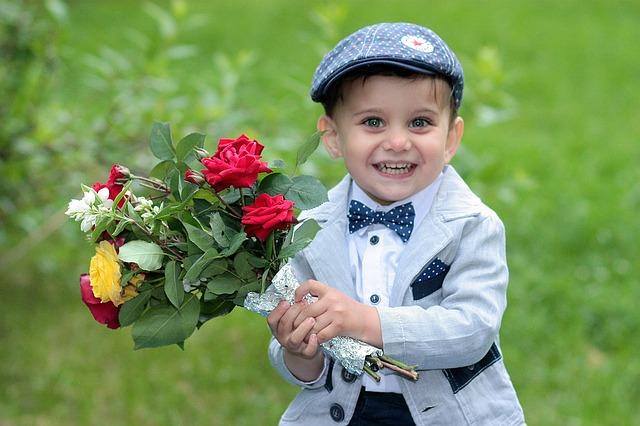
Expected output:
{"points": [[336, 314], [297, 339]]}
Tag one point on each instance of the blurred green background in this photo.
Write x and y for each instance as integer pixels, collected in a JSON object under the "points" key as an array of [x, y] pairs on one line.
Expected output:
{"points": [[551, 143]]}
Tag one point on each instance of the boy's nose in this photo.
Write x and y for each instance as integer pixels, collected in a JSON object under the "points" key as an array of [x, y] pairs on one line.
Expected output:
{"points": [[397, 141]]}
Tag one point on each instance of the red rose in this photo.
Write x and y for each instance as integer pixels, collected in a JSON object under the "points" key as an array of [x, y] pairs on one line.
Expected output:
{"points": [[193, 177], [117, 175], [266, 214], [236, 163], [104, 313]]}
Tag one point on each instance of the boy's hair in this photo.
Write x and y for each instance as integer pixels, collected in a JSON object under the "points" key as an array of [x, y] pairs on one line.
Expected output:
{"points": [[442, 90]]}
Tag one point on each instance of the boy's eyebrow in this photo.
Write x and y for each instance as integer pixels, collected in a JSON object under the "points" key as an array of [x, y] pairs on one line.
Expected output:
{"points": [[369, 111], [380, 111]]}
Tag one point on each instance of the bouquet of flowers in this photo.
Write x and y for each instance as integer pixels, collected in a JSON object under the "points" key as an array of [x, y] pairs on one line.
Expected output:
{"points": [[199, 235]]}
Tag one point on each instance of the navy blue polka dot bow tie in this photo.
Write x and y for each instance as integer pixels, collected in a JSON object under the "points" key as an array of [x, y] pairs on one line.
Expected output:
{"points": [[398, 219]]}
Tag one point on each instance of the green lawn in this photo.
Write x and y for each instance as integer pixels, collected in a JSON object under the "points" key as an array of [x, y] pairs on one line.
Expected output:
{"points": [[557, 162]]}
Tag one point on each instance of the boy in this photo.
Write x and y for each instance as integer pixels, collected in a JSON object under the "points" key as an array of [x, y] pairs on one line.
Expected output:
{"points": [[408, 258]]}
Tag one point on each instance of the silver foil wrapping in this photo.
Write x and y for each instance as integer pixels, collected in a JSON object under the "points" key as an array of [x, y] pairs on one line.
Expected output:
{"points": [[347, 351]]}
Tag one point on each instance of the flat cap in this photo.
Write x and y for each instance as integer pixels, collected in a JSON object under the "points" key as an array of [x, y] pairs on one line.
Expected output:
{"points": [[407, 46]]}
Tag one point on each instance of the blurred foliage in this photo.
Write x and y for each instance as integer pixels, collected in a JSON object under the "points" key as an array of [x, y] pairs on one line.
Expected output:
{"points": [[549, 144], [29, 50]]}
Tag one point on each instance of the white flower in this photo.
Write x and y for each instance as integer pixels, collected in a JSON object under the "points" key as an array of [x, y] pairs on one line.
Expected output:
{"points": [[91, 207], [143, 204], [149, 214]]}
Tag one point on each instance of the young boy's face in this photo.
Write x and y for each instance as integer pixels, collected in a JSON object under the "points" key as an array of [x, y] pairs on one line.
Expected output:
{"points": [[393, 134]]}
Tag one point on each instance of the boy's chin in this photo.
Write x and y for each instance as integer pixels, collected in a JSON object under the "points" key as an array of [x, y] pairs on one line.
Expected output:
{"points": [[386, 198]]}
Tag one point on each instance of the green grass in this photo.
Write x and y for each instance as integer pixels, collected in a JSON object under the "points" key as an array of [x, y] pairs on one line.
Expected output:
{"points": [[561, 172]]}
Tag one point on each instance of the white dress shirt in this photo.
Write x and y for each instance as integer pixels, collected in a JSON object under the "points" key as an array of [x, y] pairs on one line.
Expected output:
{"points": [[374, 252]]}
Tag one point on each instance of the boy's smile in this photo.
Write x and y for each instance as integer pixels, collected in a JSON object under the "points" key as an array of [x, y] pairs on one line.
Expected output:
{"points": [[394, 133]]}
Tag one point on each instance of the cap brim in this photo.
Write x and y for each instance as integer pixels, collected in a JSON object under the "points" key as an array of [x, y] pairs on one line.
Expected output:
{"points": [[418, 69]]}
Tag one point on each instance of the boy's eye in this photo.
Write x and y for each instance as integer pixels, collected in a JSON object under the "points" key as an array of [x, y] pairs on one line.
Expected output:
{"points": [[420, 122], [373, 122]]}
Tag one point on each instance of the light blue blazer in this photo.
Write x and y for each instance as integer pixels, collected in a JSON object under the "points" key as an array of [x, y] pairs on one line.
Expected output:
{"points": [[444, 316]]}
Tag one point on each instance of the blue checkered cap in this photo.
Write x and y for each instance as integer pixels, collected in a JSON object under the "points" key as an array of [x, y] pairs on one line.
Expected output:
{"points": [[404, 45]]}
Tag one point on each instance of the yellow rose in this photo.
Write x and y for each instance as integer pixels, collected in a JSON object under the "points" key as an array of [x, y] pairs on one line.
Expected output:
{"points": [[104, 272]]}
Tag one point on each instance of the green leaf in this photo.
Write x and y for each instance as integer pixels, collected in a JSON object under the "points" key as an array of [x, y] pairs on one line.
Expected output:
{"points": [[306, 230], [188, 191], [254, 286], [147, 255], [204, 194], [101, 225], [164, 325], [132, 309], [231, 196], [192, 277], [121, 194], [308, 148], [160, 141], [301, 236], [133, 214], [126, 276], [293, 248], [224, 284], [184, 148], [275, 183], [306, 192], [214, 308], [219, 230], [121, 226], [263, 280], [257, 262], [169, 211], [243, 268], [216, 267], [199, 237], [172, 285], [234, 244], [161, 169], [176, 183], [202, 208]]}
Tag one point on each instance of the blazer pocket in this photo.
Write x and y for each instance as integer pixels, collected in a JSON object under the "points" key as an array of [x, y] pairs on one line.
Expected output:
{"points": [[429, 279], [460, 377]]}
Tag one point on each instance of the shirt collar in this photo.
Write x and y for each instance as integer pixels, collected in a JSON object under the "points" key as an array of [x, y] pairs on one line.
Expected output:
{"points": [[422, 200]]}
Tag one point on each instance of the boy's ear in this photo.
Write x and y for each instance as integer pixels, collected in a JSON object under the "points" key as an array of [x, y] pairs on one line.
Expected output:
{"points": [[327, 126], [453, 138]]}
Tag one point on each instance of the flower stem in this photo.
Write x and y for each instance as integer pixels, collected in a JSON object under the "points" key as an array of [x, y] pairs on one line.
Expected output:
{"points": [[397, 363], [164, 190], [371, 373], [150, 235], [233, 212], [152, 183], [382, 361], [409, 374], [241, 197]]}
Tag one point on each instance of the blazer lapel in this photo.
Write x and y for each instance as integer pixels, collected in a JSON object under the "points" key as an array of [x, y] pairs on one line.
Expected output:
{"points": [[328, 254], [454, 200], [425, 243], [328, 257]]}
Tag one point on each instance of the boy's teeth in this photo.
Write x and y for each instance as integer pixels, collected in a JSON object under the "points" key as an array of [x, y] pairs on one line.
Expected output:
{"points": [[394, 168]]}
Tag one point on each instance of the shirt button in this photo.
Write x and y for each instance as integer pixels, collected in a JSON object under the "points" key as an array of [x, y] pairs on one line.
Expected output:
{"points": [[374, 240], [337, 412], [348, 377], [374, 299]]}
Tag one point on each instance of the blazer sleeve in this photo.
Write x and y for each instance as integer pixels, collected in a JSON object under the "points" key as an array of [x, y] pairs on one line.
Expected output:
{"points": [[461, 329], [276, 351], [276, 356]]}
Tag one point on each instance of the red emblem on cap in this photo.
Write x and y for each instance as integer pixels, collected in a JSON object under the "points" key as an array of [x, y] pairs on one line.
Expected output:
{"points": [[417, 43]]}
